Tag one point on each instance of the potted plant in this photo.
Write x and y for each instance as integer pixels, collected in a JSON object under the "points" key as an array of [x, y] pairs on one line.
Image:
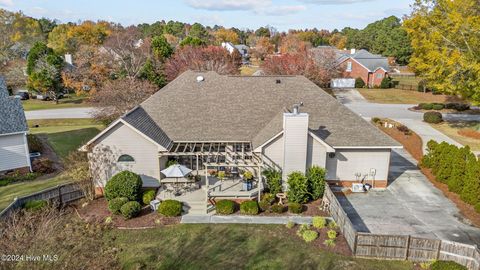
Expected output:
{"points": [[247, 180], [221, 175]]}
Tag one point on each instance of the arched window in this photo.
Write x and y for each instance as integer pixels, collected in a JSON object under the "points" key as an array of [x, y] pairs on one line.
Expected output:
{"points": [[126, 158]]}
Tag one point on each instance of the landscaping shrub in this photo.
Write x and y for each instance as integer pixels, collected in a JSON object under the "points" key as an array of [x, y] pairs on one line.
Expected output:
{"points": [[115, 204], [148, 196], [130, 209], [386, 83], [264, 205], [35, 205], [277, 208], [268, 198], [331, 234], [274, 181], [295, 208], [4, 182], [376, 120], [316, 181], [170, 208], [451, 105], [456, 167], [34, 144], [426, 106], [438, 106], [462, 107], [17, 176], [309, 235], [403, 128], [477, 207], [329, 242], [359, 83], [301, 229], [332, 224], [432, 117], [297, 187], [290, 224], [124, 184], [249, 208], [42, 165], [225, 207], [319, 222], [446, 265]]}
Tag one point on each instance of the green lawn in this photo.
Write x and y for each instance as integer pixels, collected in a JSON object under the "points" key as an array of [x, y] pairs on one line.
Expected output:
{"points": [[398, 96], [65, 135], [232, 246], [8, 193], [71, 102]]}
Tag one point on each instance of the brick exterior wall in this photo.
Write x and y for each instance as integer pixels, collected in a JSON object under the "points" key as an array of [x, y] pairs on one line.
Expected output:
{"points": [[371, 79]]}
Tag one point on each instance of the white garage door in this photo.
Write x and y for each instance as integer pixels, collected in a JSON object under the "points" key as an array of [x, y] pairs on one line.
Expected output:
{"points": [[343, 83]]}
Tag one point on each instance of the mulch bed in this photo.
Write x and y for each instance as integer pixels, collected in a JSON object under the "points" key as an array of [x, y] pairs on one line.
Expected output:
{"points": [[341, 247], [413, 145], [97, 211], [309, 209]]}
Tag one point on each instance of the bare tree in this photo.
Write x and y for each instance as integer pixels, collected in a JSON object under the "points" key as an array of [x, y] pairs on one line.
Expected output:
{"points": [[119, 96]]}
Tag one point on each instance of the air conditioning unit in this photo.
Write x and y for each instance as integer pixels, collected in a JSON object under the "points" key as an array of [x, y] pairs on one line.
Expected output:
{"points": [[357, 187]]}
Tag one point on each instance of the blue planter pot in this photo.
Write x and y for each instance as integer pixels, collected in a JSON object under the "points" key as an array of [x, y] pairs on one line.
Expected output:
{"points": [[247, 186]]}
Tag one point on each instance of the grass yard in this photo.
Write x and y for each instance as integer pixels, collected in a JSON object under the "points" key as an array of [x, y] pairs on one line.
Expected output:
{"points": [[451, 129], [248, 70], [9, 192], [65, 135], [232, 246], [397, 96], [71, 102]]}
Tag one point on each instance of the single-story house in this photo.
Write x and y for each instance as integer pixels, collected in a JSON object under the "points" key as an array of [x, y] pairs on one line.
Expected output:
{"points": [[205, 120], [241, 48], [14, 153], [372, 68]]}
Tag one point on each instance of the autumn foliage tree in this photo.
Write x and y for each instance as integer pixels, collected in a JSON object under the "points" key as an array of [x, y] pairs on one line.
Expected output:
{"points": [[263, 47], [211, 58]]}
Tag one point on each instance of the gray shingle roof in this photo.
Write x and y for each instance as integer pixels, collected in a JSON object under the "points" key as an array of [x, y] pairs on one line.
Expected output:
{"points": [[140, 120], [371, 61], [236, 108], [12, 116]]}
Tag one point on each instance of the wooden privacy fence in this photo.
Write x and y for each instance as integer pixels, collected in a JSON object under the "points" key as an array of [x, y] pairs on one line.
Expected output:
{"points": [[400, 247], [62, 194]]}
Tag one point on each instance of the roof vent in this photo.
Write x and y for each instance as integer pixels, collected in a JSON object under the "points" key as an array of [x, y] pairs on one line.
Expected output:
{"points": [[200, 78], [296, 108], [278, 81]]}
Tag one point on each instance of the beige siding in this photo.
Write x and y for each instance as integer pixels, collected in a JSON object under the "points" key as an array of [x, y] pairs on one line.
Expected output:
{"points": [[13, 152], [121, 140], [316, 154], [350, 161], [295, 136], [273, 153]]}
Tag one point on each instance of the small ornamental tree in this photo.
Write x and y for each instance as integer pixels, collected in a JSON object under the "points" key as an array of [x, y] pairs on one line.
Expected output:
{"points": [[316, 181], [297, 187], [124, 184]]}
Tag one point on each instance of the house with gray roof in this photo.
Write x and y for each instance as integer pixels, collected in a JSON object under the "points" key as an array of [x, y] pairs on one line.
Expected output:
{"points": [[14, 153], [206, 121]]}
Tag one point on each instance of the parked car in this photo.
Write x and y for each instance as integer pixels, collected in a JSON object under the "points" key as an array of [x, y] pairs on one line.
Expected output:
{"points": [[22, 95], [48, 96]]}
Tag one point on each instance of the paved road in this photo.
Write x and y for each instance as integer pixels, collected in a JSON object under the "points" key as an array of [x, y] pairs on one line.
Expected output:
{"points": [[410, 205], [60, 113]]}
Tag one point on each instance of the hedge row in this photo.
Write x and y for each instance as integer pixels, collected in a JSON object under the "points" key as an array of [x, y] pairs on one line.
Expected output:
{"points": [[440, 106], [456, 167]]}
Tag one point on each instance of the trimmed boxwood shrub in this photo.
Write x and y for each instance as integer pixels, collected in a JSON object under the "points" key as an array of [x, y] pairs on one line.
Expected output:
{"points": [[249, 208], [295, 208], [462, 107], [148, 196], [130, 209], [438, 106], [277, 208], [264, 206], [359, 83], [124, 184], [451, 105], [35, 205], [225, 207], [115, 204], [426, 106], [432, 117], [309, 235], [170, 208], [446, 265]]}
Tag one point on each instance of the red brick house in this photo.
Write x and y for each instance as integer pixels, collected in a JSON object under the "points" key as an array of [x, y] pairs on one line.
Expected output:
{"points": [[372, 68]]}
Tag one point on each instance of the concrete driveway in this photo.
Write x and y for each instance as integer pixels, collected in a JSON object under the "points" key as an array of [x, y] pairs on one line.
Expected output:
{"points": [[410, 205], [60, 113]]}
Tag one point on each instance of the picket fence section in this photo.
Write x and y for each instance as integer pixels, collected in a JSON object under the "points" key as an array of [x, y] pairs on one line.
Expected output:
{"points": [[400, 247]]}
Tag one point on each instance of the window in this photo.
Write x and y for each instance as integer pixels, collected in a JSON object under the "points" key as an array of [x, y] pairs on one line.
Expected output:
{"points": [[379, 75], [349, 66], [126, 158]]}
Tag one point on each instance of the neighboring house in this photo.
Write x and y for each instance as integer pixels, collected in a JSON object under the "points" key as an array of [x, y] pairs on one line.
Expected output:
{"points": [[372, 68], [14, 153], [242, 49], [210, 121]]}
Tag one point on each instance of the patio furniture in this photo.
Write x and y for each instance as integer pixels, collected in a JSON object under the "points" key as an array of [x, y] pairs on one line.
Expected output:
{"points": [[281, 197], [154, 205], [176, 171]]}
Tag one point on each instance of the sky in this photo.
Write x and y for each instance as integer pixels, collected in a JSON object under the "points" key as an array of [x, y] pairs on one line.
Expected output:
{"points": [[281, 14]]}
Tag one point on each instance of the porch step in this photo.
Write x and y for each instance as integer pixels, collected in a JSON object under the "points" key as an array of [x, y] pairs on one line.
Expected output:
{"points": [[195, 208]]}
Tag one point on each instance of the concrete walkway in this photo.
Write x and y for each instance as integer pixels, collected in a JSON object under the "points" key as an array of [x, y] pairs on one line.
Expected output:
{"points": [[236, 219], [60, 113]]}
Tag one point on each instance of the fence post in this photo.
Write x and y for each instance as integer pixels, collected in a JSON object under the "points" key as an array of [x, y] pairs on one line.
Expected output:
{"points": [[355, 244], [407, 247], [439, 249]]}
